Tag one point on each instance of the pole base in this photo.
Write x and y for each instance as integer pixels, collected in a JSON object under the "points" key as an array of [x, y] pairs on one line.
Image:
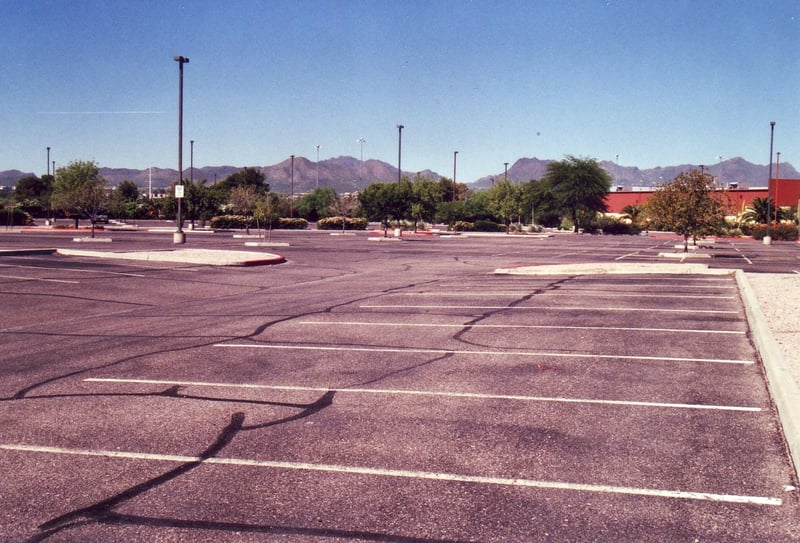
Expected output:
{"points": [[767, 240], [178, 238]]}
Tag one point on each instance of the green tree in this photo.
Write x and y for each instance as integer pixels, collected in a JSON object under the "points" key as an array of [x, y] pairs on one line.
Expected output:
{"points": [[79, 190], [124, 200], [635, 213], [545, 208], [247, 177], [33, 193], [386, 202], [425, 198], [580, 186], [317, 204], [689, 205], [762, 211], [505, 201], [243, 199]]}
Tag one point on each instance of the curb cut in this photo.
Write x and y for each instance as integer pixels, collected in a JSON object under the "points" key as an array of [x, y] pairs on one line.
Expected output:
{"points": [[784, 390]]}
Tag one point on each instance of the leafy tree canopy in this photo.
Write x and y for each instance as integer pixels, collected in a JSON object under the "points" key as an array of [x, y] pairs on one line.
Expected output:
{"points": [[247, 177], [689, 205], [580, 186]]}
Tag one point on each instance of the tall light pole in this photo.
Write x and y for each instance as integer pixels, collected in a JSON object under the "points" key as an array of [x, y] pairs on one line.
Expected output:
{"points": [[768, 238], [191, 161], [777, 184], [399, 150], [505, 174], [179, 236], [317, 146], [455, 154], [291, 196], [48, 161], [361, 164]]}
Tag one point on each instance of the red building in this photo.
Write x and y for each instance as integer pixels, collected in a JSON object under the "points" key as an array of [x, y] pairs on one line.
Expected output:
{"points": [[785, 193]]}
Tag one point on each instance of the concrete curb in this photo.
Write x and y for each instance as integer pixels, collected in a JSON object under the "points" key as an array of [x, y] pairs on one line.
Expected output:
{"points": [[784, 390], [209, 257]]}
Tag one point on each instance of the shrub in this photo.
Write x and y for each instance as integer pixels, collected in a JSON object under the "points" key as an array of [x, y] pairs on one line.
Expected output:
{"points": [[463, 226], [778, 232], [291, 224], [229, 222], [335, 223], [615, 228], [482, 225], [16, 217]]}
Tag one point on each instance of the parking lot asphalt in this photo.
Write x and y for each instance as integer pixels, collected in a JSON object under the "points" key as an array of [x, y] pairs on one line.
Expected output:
{"points": [[387, 392]]}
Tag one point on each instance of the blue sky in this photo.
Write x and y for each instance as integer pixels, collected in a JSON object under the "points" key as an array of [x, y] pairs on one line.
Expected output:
{"points": [[655, 82]]}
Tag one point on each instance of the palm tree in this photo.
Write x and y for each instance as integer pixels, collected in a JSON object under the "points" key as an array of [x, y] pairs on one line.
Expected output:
{"points": [[634, 212], [761, 211]]}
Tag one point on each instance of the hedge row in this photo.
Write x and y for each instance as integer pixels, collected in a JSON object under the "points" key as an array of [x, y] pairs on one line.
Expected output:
{"points": [[15, 217], [778, 232], [335, 223], [231, 222]]}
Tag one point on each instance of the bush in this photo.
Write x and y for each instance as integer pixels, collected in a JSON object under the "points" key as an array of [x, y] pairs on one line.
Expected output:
{"points": [[230, 222], [616, 228], [463, 226], [335, 223], [778, 232], [16, 217], [286, 223], [482, 225]]}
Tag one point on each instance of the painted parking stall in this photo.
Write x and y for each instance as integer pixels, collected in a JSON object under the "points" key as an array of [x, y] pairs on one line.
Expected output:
{"points": [[433, 405]]}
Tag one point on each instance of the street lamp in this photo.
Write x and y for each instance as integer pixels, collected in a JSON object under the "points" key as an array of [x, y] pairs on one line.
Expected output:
{"points": [[48, 161], [399, 150], [768, 238], [455, 154], [317, 146], [505, 175], [191, 161], [777, 184], [291, 196], [361, 164], [179, 236]]}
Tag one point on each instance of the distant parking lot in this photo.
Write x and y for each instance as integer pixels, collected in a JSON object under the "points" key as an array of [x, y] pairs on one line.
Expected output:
{"points": [[387, 391]]}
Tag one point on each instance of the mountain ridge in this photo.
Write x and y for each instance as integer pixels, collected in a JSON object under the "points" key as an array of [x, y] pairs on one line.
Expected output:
{"points": [[346, 174]]}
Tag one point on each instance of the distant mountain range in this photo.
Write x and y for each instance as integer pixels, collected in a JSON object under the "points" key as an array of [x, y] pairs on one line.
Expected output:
{"points": [[346, 174]]}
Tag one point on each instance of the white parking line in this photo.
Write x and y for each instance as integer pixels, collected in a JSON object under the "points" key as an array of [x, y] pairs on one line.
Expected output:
{"points": [[22, 278], [570, 292], [478, 353], [523, 326], [104, 272], [428, 393], [408, 474], [547, 308]]}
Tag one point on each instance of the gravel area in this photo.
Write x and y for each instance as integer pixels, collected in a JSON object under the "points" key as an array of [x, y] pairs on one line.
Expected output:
{"points": [[778, 297]]}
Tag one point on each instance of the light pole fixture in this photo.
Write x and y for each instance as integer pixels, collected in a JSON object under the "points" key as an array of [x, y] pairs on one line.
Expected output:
{"points": [[291, 195], [191, 161], [455, 154], [777, 184], [179, 236], [767, 237], [48, 161], [361, 164], [399, 150], [317, 146]]}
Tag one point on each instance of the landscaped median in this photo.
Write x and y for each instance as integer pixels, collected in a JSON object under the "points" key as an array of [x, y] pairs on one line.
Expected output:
{"points": [[210, 257]]}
